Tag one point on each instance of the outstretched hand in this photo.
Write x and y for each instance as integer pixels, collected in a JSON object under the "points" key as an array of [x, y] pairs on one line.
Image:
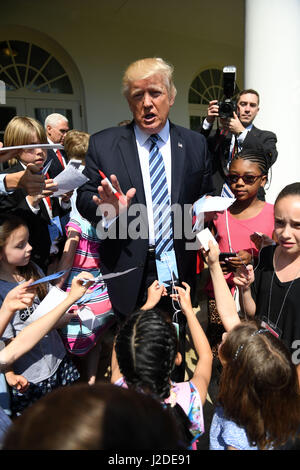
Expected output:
{"points": [[155, 293], [32, 181], [212, 255], [79, 287], [183, 296], [20, 297], [260, 240], [110, 205], [244, 276]]}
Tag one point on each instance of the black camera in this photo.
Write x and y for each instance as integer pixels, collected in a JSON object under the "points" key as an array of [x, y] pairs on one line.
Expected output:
{"points": [[227, 106]]}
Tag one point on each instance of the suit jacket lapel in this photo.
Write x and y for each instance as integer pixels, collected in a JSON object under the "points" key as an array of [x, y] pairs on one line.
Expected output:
{"points": [[177, 159], [130, 158]]}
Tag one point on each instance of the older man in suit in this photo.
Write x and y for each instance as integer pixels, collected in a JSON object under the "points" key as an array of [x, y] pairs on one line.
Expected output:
{"points": [[56, 127], [122, 153], [159, 170], [236, 133]]}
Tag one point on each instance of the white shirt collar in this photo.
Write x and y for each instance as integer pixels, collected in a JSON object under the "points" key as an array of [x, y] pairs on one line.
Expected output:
{"points": [[142, 136]]}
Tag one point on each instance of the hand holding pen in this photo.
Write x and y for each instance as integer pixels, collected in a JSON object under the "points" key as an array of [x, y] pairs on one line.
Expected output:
{"points": [[115, 192], [111, 195]]}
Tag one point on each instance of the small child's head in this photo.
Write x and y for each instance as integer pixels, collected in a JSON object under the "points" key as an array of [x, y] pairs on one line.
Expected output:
{"points": [[146, 348], [259, 388], [15, 249], [101, 417], [23, 130], [248, 172], [287, 219], [76, 144]]}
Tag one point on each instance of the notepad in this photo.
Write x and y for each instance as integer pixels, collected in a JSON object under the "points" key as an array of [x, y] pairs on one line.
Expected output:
{"points": [[68, 180]]}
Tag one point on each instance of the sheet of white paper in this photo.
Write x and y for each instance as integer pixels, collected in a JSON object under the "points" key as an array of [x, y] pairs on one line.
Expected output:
{"points": [[108, 276], [203, 237], [54, 297], [68, 180], [212, 204], [32, 146], [88, 318]]}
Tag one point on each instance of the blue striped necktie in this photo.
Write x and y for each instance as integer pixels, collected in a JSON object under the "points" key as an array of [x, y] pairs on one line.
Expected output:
{"points": [[160, 200]]}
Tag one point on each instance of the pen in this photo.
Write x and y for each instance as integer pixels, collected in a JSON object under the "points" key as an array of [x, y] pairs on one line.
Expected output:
{"points": [[116, 193]]}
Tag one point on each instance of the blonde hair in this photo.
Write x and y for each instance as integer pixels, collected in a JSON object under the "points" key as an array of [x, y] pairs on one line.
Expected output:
{"points": [[20, 131], [145, 68], [76, 144]]}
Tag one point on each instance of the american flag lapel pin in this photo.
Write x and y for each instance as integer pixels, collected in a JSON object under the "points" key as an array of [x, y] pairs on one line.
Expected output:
{"points": [[180, 145]]}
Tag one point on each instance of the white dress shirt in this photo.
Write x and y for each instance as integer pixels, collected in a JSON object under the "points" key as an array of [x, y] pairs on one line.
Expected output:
{"points": [[55, 150], [143, 145]]}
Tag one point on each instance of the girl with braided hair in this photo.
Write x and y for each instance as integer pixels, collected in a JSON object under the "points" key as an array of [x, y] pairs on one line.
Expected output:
{"points": [[146, 351], [240, 230]]}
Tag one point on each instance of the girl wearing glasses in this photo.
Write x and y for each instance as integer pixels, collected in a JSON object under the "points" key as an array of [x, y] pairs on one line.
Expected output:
{"points": [[237, 228]]}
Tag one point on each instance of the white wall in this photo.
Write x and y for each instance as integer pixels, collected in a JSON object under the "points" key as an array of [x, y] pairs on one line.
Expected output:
{"points": [[103, 38], [272, 66]]}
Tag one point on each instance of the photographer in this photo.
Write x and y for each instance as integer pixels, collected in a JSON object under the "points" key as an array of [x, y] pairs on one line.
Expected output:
{"points": [[235, 133]]}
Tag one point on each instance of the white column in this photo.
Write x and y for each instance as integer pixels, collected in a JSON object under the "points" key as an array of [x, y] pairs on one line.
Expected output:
{"points": [[272, 67]]}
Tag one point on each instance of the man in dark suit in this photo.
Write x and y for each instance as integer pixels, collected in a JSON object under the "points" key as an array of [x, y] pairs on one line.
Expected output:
{"points": [[235, 134], [122, 153], [56, 126]]}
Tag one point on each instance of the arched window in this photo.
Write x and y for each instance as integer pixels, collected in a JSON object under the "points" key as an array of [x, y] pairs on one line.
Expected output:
{"points": [[40, 78], [207, 86], [25, 65]]}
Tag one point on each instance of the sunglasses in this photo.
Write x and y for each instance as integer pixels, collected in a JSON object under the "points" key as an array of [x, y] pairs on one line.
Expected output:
{"points": [[248, 179]]}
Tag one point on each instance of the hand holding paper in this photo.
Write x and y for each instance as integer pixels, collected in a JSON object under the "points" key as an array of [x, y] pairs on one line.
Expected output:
{"points": [[204, 236], [68, 180], [206, 207]]}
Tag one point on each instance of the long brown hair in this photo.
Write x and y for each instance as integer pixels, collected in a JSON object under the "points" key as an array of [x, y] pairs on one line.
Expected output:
{"points": [[259, 388], [8, 224]]}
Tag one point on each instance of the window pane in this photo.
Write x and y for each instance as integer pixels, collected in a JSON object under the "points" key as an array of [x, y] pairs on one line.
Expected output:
{"points": [[63, 85], [53, 69], [21, 49], [195, 122], [11, 77], [22, 73], [39, 84], [9, 85], [29, 61], [194, 97], [6, 114], [42, 113], [38, 56], [5, 57]]}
